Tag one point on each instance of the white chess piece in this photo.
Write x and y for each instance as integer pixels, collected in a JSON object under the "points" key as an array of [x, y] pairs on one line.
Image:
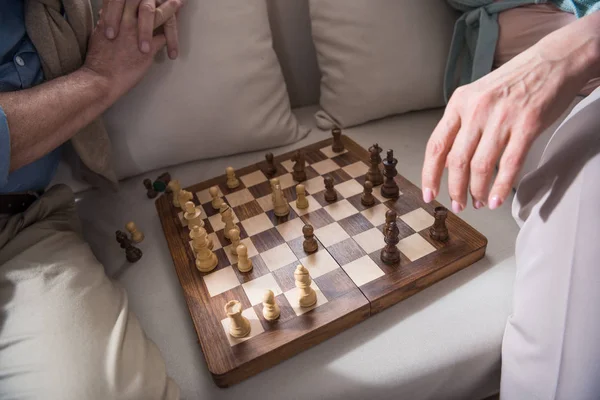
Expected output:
{"points": [[271, 309], [234, 236], [280, 204], [192, 215], [217, 201], [302, 201], [195, 235], [307, 296], [239, 326], [244, 263], [232, 181], [227, 218], [206, 260], [183, 196], [136, 235], [175, 188]]}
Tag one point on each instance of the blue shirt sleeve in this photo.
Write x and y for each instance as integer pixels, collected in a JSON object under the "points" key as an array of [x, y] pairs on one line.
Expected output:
{"points": [[4, 149]]}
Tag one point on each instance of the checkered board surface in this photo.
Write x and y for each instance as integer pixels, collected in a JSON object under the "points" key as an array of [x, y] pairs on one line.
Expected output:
{"points": [[350, 241]]}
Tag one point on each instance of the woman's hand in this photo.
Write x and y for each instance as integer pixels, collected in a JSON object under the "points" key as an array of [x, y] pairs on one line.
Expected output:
{"points": [[499, 116]]}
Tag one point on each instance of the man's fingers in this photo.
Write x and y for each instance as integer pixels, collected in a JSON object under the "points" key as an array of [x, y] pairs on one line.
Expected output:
{"points": [[113, 12], [130, 12], [171, 35], [483, 165], [438, 146], [459, 161], [165, 11], [158, 42], [510, 164], [146, 13]]}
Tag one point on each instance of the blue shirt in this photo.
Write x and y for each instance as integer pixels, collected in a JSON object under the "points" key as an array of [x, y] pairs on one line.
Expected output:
{"points": [[20, 68]]}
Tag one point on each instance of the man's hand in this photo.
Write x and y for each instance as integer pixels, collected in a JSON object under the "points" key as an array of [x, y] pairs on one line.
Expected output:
{"points": [[499, 116], [150, 18], [119, 61]]}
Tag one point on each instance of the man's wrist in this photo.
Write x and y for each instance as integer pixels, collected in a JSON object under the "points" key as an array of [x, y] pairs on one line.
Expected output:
{"points": [[97, 84]]}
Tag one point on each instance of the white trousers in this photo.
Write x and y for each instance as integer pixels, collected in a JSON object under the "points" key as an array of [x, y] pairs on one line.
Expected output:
{"points": [[551, 347], [66, 331]]}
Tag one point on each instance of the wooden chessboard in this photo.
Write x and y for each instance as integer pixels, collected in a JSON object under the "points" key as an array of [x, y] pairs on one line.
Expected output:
{"points": [[351, 281]]}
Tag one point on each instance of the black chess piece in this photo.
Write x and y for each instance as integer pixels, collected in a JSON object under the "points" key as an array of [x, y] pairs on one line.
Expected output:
{"points": [[299, 173], [122, 239], [390, 189], [160, 184], [133, 254], [367, 199], [390, 254], [310, 244], [439, 230], [374, 174], [151, 192], [271, 169], [330, 193], [338, 145]]}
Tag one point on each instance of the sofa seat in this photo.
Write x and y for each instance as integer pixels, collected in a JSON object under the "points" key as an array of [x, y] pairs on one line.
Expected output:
{"points": [[443, 343]]}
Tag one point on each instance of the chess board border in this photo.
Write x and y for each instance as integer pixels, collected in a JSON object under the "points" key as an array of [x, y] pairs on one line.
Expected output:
{"points": [[232, 364]]}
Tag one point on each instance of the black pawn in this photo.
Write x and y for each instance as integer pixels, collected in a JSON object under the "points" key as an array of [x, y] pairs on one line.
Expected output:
{"points": [[271, 170], [337, 146], [439, 231], [133, 254], [160, 184], [310, 244], [367, 199], [390, 189], [390, 254], [151, 192], [330, 193]]}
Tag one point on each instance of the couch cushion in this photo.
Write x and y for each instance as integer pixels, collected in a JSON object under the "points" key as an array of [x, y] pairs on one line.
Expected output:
{"points": [[379, 58], [225, 94]]}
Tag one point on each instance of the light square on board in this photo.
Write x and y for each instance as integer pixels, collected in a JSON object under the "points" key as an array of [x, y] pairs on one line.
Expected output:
{"points": [[293, 295], [363, 270], [325, 166], [256, 327], [286, 181], [217, 224], [314, 185], [341, 210], [289, 165], [349, 188], [377, 194], [240, 197], [330, 153], [418, 219], [278, 257], [256, 288], [376, 215], [291, 230], [331, 234], [319, 263], [254, 178], [266, 202], [221, 281], [371, 240], [205, 197], [313, 205], [357, 169], [184, 221], [257, 224], [415, 247], [233, 259]]}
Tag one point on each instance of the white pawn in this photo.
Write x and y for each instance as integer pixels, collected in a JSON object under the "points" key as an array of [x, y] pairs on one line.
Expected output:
{"points": [[271, 309], [307, 296], [232, 181], [217, 201], [183, 196], [239, 326], [192, 215], [206, 260], [234, 236], [244, 263], [195, 235], [280, 204], [175, 188], [302, 201], [136, 235], [274, 182], [227, 218]]}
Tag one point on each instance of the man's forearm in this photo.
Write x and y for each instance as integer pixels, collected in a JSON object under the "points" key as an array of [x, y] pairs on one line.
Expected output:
{"points": [[43, 117]]}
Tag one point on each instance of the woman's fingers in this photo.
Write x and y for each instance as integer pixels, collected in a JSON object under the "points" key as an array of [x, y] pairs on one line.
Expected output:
{"points": [[510, 164], [171, 34], [165, 11], [459, 163]]}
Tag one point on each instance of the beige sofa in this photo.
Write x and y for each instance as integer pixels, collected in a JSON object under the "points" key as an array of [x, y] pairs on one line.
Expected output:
{"points": [[443, 343]]}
